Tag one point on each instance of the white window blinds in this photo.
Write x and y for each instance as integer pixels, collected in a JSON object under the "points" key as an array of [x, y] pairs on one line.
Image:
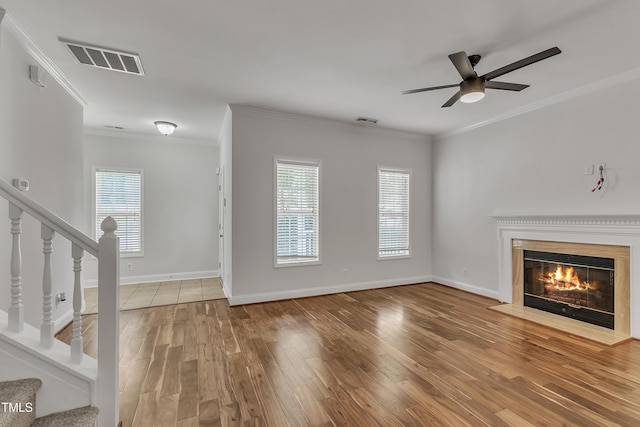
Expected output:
{"points": [[119, 195], [297, 212], [393, 213]]}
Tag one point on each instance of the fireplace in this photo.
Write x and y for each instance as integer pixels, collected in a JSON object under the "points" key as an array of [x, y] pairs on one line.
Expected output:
{"points": [[574, 286], [603, 236]]}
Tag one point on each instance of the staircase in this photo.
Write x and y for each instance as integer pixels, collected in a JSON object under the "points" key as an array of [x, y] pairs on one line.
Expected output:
{"points": [[18, 408], [70, 386]]}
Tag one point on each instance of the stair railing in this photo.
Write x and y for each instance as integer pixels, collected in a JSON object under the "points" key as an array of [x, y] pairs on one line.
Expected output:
{"points": [[106, 250]]}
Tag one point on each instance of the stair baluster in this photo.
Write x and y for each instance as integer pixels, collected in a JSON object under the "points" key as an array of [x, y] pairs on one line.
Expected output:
{"points": [[16, 310], [76, 342], [47, 327]]}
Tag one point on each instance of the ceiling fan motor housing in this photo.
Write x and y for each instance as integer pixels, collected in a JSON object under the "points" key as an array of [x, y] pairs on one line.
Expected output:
{"points": [[474, 59]]}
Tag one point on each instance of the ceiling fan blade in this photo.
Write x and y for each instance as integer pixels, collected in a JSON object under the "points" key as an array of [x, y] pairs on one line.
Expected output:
{"points": [[452, 100], [505, 86], [424, 89], [463, 65], [522, 63]]}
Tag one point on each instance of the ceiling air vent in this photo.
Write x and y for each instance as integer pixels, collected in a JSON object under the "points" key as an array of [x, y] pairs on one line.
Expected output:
{"points": [[367, 121], [100, 57]]}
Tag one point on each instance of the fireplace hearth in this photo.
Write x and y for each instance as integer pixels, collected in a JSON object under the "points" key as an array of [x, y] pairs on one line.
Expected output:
{"points": [[574, 286]]}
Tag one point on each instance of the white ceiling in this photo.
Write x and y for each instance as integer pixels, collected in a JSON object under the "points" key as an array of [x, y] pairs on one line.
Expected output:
{"points": [[336, 59]]}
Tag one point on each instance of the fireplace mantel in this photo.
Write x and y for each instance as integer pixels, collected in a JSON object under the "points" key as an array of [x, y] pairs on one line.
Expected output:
{"points": [[620, 230], [624, 221]]}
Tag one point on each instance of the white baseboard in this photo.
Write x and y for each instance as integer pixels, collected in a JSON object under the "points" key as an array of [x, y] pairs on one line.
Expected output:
{"points": [[322, 290], [63, 321], [466, 287], [127, 280], [226, 290]]}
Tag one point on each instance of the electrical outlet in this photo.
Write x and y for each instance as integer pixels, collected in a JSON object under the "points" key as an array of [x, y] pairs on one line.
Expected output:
{"points": [[465, 272], [61, 297], [129, 266], [345, 272]]}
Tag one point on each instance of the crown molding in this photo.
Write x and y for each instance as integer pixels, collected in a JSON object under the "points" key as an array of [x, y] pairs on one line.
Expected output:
{"points": [[123, 134], [336, 124], [47, 63], [599, 85], [227, 121]]}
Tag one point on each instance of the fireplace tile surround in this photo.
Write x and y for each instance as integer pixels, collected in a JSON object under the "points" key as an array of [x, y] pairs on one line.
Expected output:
{"points": [[613, 230]]}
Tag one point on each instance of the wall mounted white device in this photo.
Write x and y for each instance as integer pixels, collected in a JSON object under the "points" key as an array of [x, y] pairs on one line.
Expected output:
{"points": [[38, 75], [21, 184]]}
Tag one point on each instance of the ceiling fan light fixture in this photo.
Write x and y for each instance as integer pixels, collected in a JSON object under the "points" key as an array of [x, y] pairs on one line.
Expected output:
{"points": [[165, 128], [472, 97], [472, 90]]}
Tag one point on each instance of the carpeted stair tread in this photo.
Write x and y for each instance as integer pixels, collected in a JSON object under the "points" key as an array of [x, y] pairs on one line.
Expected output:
{"points": [[80, 417], [19, 392]]}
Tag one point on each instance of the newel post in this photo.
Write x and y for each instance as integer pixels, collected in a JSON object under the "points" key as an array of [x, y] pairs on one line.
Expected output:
{"points": [[108, 323]]}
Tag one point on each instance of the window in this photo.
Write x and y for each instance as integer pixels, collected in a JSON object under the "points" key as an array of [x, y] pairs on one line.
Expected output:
{"points": [[119, 195], [297, 212], [393, 213]]}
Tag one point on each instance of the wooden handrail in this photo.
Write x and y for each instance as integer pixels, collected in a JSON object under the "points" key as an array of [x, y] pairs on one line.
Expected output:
{"points": [[45, 216]]}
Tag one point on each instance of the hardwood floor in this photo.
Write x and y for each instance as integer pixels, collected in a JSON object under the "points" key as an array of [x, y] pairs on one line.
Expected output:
{"points": [[417, 355]]}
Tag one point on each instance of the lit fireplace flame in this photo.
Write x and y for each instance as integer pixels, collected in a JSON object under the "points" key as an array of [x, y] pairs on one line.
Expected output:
{"points": [[565, 279]]}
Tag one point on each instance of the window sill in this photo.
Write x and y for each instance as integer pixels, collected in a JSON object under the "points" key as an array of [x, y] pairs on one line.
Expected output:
{"points": [[390, 257], [296, 264], [131, 255], [125, 255]]}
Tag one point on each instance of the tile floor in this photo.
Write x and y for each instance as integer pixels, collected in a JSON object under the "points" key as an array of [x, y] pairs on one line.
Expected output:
{"points": [[159, 293]]}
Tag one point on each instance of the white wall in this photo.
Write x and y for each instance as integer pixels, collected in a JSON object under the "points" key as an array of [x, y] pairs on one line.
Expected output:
{"points": [[180, 212], [225, 209], [40, 140], [532, 164], [350, 155]]}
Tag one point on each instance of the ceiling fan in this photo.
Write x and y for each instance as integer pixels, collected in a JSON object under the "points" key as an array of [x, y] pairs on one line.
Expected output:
{"points": [[472, 86]]}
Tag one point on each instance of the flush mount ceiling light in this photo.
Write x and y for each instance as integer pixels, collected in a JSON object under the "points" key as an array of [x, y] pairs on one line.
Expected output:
{"points": [[165, 128]]}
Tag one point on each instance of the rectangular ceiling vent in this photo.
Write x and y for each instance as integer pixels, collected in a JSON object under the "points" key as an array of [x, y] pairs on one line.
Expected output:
{"points": [[108, 59], [367, 121]]}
